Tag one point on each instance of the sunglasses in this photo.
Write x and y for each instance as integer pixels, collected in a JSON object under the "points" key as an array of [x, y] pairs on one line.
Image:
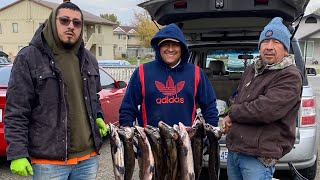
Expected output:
{"points": [[66, 21]]}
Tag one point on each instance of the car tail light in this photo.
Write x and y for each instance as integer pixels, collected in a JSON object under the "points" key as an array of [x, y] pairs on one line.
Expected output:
{"points": [[308, 112], [180, 5], [2, 104], [258, 2]]}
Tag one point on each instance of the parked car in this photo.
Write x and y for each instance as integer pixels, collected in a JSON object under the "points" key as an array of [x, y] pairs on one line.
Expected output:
{"points": [[112, 62], [4, 60], [111, 97], [230, 26]]}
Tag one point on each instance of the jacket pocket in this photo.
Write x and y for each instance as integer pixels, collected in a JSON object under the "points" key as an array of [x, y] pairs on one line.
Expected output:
{"points": [[93, 79], [47, 87], [246, 136]]}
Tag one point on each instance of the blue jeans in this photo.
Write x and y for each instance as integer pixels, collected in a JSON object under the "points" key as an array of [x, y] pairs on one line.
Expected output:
{"points": [[84, 170], [244, 167]]}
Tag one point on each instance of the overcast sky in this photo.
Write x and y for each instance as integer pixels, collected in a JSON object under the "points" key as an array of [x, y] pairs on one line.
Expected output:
{"points": [[124, 9]]}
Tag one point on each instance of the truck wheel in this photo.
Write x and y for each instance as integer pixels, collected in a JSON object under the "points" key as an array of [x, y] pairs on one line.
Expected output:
{"points": [[310, 173]]}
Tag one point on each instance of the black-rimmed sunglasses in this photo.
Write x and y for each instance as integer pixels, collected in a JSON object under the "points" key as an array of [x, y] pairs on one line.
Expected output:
{"points": [[66, 21]]}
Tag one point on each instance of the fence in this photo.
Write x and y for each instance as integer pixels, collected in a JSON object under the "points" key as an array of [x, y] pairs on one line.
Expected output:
{"points": [[120, 73]]}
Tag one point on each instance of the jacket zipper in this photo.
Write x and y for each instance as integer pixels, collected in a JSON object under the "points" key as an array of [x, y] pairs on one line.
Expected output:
{"points": [[65, 124]]}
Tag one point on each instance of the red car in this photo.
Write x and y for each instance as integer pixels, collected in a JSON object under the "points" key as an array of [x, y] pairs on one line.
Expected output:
{"points": [[111, 97]]}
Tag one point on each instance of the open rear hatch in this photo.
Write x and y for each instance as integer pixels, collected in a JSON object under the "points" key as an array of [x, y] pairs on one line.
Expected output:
{"points": [[223, 20]]}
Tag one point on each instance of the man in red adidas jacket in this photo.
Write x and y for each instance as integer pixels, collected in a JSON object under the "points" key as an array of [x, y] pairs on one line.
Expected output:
{"points": [[168, 88]]}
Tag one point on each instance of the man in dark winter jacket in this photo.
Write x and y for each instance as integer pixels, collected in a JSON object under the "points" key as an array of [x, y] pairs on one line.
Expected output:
{"points": [[52, 115], [261, 123], [168, 88]]}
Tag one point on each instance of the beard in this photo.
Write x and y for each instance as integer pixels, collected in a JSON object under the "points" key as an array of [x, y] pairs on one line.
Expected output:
{"points": [[68, 44]]}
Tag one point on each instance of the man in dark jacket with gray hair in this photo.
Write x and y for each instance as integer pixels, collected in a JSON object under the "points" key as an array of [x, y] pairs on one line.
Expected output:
{"points": [[261, 123], [53, 115]]}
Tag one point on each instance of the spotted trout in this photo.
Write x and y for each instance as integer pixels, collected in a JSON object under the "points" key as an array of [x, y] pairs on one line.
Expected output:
{"points": [[185, 156], [146, 159], [117, 153], [126, 136], [154, 137], [196, 134], [168, 136], [213, 134]]}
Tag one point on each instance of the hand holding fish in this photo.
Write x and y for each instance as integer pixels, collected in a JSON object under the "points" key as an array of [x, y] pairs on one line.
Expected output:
{"points": [[226, 124]]}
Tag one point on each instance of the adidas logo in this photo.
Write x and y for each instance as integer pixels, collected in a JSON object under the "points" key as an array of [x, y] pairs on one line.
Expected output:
{"points": [[170, 89]]}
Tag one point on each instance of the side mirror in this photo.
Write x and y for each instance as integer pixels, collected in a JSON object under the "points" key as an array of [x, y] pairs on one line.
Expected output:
{"points": [[311, 71], [122, 84]]}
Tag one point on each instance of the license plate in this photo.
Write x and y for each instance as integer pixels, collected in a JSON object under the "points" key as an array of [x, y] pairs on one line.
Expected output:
{"points": [[223, 154], [0, 115]]}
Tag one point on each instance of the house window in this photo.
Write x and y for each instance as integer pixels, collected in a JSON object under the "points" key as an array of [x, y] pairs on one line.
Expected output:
{"points": [[100, 51], [311, 20], [129, 37], [119, 36], [120, 48], [99, 29], [308, 48], [15, 27]]}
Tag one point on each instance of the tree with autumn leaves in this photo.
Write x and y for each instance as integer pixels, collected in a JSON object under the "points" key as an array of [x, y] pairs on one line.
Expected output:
{"points": [[143, 24], [145, 28]]}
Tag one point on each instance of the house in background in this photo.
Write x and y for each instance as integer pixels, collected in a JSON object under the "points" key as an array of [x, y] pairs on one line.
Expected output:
{"points": [[308, 35], [127, 45], [125, 42], [20, 19]]}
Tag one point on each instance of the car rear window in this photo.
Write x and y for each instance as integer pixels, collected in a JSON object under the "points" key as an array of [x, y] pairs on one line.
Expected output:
{"points": [[234, 61], [5, 75]]}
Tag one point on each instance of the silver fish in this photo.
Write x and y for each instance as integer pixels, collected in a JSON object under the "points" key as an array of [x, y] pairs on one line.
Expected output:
{"points": [[126, 136], [146, 160], [155, 141], [117, 153], [185, 155], [196, 134], [213, 134], [168, 136]]}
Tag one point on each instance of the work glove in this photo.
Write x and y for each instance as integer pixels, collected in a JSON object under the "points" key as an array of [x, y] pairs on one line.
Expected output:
{"points": [[103, 127], [21, 167]]}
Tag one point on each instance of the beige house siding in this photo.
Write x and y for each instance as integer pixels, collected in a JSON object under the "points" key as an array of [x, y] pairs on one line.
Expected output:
{"points": [[28, 21], [29, 15], [120, 44], [124, 41], [105, 42], [133, 41]]}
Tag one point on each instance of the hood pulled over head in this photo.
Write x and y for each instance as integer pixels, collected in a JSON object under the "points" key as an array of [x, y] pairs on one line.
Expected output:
{"points": [[171, 31]]}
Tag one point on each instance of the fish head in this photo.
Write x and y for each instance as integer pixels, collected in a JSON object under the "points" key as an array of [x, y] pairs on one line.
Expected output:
{"points": [[164, 127], [126, 132], [112, 129], [217, 132], [183, 131], [139, 131]]}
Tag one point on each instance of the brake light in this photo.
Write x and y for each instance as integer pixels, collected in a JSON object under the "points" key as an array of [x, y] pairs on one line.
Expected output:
{"points": [[180, 5], [308, 112], [258, 2]]}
